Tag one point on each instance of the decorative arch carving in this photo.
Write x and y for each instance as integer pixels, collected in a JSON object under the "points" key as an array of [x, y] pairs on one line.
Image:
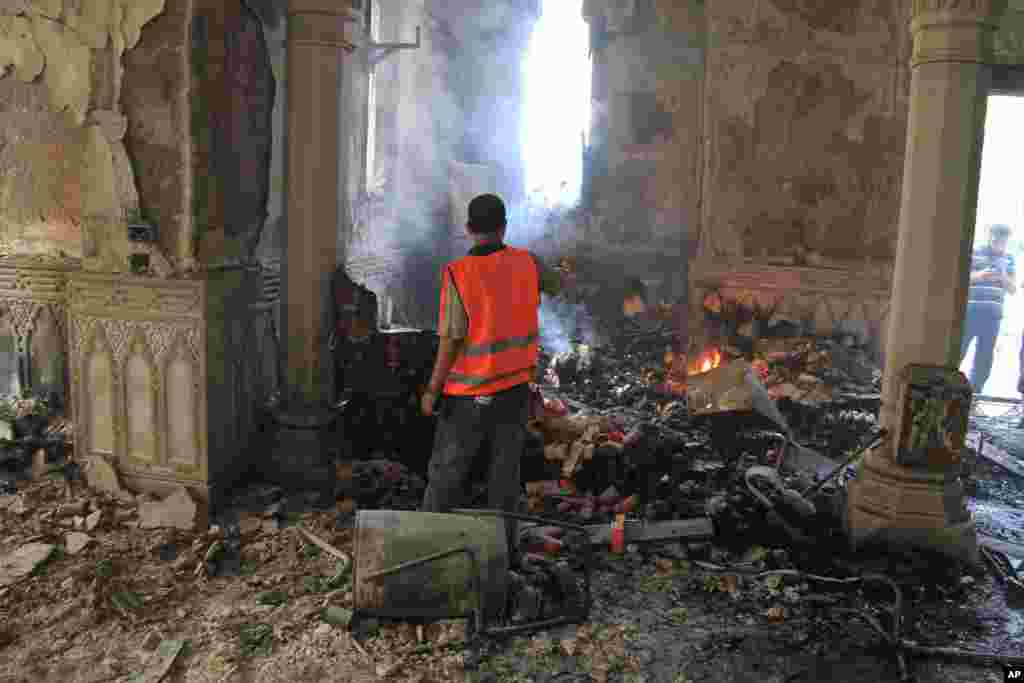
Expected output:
{"points": [[98, 400], [181, 389], [140, 393]]}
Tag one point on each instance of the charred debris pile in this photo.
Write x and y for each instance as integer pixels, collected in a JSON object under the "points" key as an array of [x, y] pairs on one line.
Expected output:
{"points": [[609, 435]]}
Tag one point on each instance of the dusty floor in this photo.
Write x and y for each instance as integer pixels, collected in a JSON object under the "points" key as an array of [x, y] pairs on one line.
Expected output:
{"points": [[100, 615]]}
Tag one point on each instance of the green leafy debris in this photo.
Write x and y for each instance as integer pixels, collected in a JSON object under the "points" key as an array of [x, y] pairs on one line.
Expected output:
{"points": [[272, 598], [256, 640]]}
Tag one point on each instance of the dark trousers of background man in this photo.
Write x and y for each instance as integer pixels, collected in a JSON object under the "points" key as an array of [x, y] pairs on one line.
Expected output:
{"points": [[490, 427], [982, 324]]}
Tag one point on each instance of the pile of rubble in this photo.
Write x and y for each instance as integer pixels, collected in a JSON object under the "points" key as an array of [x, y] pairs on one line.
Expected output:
{"points": [[720, 518]]}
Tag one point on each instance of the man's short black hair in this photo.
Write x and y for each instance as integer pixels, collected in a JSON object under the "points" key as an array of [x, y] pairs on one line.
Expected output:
{"points": [[636, 287], [999, 231], [486, 214]]}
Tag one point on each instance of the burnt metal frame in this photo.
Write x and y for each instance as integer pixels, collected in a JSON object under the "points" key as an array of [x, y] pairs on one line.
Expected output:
{"points": [[475, 618]]}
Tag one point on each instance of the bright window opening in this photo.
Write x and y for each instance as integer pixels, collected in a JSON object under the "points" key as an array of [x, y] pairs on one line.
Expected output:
{"points": [[557, 74], [371, 108]]}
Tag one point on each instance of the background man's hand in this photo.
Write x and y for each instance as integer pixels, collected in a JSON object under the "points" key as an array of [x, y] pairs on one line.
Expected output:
{"points": [[427, 402]]}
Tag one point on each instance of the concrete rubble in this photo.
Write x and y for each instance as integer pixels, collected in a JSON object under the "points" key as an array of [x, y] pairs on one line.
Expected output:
{"points": [[76, 541], [701, 540], [101, 475], [177, 511], [23, 561]]}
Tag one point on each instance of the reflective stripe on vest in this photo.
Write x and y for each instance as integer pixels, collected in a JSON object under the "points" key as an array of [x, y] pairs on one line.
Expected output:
{"points": [[499, 346], [500, 294]]}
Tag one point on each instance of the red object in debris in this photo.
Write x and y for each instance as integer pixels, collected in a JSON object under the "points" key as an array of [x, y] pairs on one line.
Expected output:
{"points": [[552, 546], [392, 351], [531, 558], [543, 540], [392, 473], [616, 436], [536, 402], [619, 534], [626, 506], [761, 367], [555, 406], [632, 438]]}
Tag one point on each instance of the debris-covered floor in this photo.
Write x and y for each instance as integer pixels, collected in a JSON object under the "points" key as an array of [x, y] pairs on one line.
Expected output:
{"points": [[97, 584]]}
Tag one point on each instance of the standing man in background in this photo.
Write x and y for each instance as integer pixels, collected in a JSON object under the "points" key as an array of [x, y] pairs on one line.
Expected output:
{"points": [[488, 331], [992, 276]]}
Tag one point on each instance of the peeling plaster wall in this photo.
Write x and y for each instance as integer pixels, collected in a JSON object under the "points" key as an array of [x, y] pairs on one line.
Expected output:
{"points": [[65, 178], [155, 99], [806, 115]]}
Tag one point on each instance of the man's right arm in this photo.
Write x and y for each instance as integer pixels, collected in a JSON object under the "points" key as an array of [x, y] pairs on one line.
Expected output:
{"points": [[453, 328]]}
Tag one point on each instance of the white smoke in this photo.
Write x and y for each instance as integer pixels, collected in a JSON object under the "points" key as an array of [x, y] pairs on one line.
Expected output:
{"points": [[554, 332]]}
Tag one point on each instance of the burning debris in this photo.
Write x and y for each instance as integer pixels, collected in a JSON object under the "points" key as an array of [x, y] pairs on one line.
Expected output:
{"points": [[661, 503]]}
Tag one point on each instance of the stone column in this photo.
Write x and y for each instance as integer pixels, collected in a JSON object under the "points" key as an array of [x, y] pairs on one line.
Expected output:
{"points": [[948, 92], [319, 31]]}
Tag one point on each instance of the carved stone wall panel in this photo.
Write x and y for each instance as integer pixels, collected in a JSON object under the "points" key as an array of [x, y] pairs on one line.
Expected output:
{"points": [[153, 341], [135, 297], [144, 322], [35, 279]]}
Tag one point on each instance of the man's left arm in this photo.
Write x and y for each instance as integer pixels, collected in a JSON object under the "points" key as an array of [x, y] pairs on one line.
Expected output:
{"points": [[550, 280]]}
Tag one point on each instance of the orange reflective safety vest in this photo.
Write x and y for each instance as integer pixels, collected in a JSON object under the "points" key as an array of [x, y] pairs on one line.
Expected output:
{"points": [[500, 292]]}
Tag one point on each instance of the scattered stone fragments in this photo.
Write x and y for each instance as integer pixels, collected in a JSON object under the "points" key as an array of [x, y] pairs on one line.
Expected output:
{"points": [[101, 476], [76, 541], [76, 508], [23, 561], [93, 520], [177, 511]]}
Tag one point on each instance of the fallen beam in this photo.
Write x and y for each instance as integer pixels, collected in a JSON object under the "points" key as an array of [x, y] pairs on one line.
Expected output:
{"points": [[696, 529]]}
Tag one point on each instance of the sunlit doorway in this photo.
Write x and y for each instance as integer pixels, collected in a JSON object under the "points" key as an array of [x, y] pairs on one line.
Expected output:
{"points": [[1000, 202]]}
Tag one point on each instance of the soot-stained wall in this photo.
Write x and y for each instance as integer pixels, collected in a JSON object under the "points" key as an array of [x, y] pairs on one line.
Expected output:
{"points": [[805, 129]]}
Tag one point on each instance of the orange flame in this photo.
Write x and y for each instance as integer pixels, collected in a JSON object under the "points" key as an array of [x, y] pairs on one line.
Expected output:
{"points": [[707, 361]]}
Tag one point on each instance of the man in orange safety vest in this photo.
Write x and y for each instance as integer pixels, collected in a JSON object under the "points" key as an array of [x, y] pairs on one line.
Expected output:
{"points": [[488, 329]]}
